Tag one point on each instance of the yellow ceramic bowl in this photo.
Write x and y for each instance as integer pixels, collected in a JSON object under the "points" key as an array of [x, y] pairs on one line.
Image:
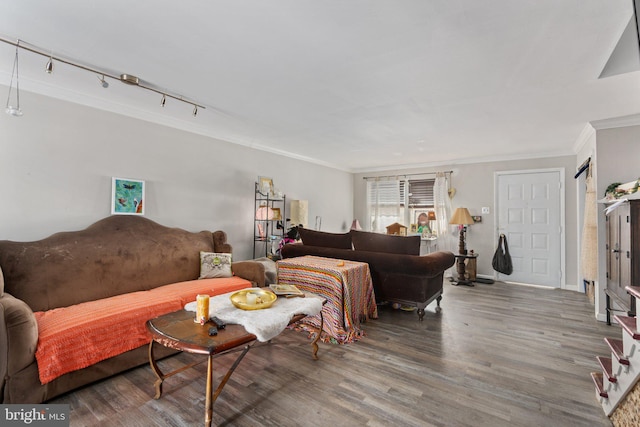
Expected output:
{"points": [[264, 298]]}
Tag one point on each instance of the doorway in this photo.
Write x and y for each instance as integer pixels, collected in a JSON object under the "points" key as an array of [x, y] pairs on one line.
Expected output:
{"points": [[530, 207]]}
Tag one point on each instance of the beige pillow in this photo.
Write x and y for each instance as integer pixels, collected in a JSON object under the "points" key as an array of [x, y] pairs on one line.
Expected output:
{"points": [[215, 265]]}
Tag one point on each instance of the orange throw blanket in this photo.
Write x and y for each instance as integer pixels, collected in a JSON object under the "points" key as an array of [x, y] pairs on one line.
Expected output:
{"points": [[74, 337]]}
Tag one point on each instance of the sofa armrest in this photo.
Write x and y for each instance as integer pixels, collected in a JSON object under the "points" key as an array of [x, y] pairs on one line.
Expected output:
{"points": [[18, 337], [249, 270]]}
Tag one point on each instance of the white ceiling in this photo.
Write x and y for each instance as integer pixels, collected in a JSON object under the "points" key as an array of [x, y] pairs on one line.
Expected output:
{"points": [[358, 85]]}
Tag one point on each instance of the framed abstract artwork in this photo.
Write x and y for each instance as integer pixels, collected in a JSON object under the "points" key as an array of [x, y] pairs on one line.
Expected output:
{"points": [[127, 196]]}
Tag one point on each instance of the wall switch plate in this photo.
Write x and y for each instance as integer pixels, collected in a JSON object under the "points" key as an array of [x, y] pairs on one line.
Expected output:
{"points": [[485, 210]]}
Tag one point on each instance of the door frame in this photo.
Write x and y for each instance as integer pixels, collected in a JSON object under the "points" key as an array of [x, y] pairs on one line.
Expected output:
{"points": [[562, 221]]}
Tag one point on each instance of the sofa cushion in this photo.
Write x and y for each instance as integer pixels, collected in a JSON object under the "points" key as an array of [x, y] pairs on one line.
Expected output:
{"points": [[325, 240], [81, 335], [390, 244], [214, 265]]}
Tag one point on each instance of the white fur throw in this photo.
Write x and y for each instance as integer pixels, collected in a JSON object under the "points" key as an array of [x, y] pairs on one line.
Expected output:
{"points": [[264, 324]]}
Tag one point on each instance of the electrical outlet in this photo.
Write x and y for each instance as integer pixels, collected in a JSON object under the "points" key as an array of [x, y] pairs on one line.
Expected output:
{"points": [[485, 210]]}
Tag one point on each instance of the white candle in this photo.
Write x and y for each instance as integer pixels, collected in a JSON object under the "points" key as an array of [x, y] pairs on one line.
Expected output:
{"points": [[251, 298]]}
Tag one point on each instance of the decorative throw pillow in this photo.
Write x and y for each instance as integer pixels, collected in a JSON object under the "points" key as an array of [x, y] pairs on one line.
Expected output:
{"points": [[215, 265]]}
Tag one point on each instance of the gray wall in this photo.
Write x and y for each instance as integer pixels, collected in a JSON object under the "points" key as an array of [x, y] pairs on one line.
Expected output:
{"points": [[57, 161], [474, 185]]}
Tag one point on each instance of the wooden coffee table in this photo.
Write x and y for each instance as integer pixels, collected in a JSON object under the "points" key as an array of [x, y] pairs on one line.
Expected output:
{"points": [[178, 331]]}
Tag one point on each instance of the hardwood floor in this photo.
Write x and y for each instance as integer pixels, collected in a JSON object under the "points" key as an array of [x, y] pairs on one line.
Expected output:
{"points": [[497, 355]]}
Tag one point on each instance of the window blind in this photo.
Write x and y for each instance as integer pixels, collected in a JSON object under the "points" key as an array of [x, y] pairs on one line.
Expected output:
{"points": [[421, 193], [385, 193]]}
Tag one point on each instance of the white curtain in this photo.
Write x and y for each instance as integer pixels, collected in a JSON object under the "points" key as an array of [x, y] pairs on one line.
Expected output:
{"points": [[589, 250], [383, 204], [447, 234]]}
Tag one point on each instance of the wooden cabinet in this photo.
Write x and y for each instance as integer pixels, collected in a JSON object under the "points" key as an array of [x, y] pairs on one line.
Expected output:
{"points": [[623, 268]]}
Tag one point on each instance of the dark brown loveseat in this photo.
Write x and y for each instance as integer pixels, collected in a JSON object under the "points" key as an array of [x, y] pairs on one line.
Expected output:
{"points": [[398, 272], [118, 261]]}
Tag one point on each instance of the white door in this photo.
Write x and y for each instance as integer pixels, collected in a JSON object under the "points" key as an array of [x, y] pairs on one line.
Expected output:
{"points": [[531, 216]]}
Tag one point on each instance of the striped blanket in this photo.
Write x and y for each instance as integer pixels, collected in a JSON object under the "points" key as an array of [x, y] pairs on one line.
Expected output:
{"points": [[347, 287]]}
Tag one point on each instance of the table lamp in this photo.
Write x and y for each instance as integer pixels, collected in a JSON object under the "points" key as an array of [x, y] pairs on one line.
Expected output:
{"points": [[264, 213], [461, 217], [299, 213]]}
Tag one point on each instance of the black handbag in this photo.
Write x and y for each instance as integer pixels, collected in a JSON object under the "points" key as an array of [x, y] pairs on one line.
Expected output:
{"points": [[502, 259]]}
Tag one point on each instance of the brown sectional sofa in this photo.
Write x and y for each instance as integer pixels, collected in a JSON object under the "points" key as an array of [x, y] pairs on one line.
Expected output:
{"points": [[398, 272], [120, 258]]}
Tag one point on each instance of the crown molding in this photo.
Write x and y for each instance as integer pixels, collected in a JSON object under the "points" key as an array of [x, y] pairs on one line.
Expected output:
{"points": [[187, 124], [587, 133], [616, 122], [466, 161]]}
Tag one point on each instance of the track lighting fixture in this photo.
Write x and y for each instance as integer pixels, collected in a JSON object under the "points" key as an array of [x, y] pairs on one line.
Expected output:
{"points": [[11, 110], [49, 67], [101, 75], [103, 82]]}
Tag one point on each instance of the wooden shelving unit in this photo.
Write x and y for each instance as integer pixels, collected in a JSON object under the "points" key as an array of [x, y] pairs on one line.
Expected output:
{"points": [[268, 231]]}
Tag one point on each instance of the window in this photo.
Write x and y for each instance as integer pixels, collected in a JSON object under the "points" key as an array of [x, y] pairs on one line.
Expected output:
{"points": [[385, 203], [396, 200]]}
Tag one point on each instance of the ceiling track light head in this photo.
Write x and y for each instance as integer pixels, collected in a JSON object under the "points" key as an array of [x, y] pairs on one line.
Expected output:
{"points": [[163, 100], [49, 67], [195, 110], [103, 82], [129, 79], [13, 111]]}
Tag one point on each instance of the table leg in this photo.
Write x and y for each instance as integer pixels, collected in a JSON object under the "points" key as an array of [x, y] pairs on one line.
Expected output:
{"points": [[159, 374], [212, 396], [314, 343], [461, 270], [156, 370], [208, 406]]}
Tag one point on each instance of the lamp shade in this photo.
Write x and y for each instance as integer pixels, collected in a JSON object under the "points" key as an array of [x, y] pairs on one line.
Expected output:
{"points": [[461, 217], [264, 213], [300, 213]]}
